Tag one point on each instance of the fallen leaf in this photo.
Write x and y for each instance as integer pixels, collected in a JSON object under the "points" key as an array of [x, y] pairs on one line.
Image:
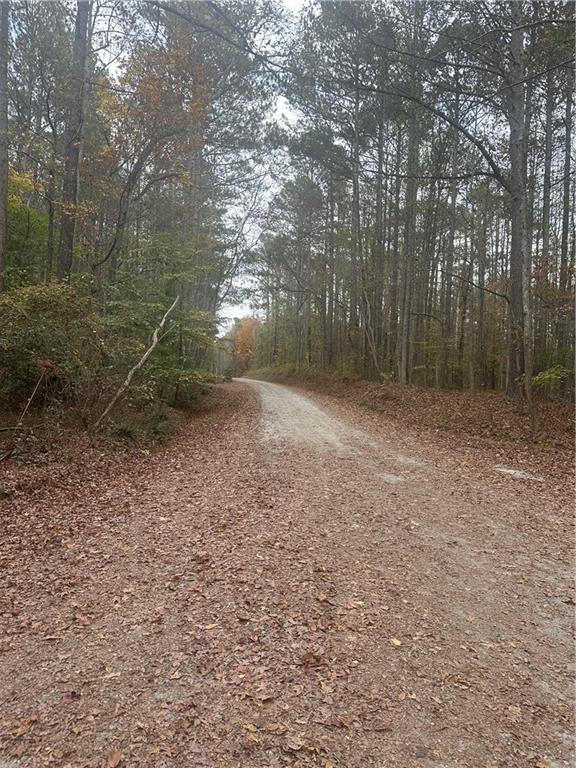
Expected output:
{"points": [[114, 759], [26, 724], [276, 728], [395, 641], [295, 743]]}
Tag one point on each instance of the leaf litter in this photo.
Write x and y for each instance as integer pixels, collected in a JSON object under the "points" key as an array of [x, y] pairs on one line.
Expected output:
{"points": [[217, 603]]}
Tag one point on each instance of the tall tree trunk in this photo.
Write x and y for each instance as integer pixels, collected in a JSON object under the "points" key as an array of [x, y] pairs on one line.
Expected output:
{"points": [[464, 297], [4, 21], [377, 291], [391, 339], [527, 305], [74, 137], [409, 260], [545, 258], [356, 226], [409, 256], [480, 343], [330, 276], [517, 144], [563, 278], [50, 194], [448, 311], [562, 324], [543, 277]]}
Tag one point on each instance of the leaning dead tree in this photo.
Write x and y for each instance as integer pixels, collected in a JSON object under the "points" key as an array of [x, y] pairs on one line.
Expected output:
{"points": [[139, 364]]}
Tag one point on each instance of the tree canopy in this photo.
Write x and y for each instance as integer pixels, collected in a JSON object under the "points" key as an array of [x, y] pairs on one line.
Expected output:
{"points": [[389, 182]]}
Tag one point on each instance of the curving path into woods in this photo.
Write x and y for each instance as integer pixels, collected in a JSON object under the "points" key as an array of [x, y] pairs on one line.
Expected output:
{"points": [[291, 583]]}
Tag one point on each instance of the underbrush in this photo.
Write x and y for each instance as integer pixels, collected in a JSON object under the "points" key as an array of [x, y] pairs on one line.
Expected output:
{"points": [[53, 432], [63, 358], [309, 373], [157, 423]]}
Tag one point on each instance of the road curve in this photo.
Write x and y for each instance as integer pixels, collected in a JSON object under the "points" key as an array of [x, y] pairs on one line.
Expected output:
{"points": [[291, 418]]}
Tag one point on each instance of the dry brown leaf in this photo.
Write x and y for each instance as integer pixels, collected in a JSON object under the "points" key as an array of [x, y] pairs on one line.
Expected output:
{"points": [[114, 758], [26, 724], [295, 743], [276, 728]]}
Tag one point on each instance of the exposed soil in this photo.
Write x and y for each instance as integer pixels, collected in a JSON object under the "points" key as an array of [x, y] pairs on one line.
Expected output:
{"points": [[256, 596]]}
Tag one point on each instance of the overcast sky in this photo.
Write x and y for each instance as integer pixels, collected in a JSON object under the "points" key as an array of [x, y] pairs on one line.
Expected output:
{"points": [[294, 5], [283, 112]]}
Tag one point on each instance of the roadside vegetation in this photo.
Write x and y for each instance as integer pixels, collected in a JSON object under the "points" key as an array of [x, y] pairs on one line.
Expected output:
{"points": [[119, 161], [394, 198]]}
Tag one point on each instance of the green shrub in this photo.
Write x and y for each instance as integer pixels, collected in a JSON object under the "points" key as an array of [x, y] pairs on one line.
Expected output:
{"points": [[124, 430], [26, 236], [83, 354], [159, 422], [552, 378], [173, 383], [50, 328]]}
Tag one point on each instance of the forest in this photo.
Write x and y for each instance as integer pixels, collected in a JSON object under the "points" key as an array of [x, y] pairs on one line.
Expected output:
{"points": [[287, 383], [426, 230], [389, 186]]}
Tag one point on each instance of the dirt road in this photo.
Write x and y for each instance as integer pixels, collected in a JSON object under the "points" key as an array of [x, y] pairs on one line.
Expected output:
{"points": [[293, 584]]}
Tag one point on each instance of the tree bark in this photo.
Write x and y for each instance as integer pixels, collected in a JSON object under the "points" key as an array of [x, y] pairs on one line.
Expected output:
{"points": [[448, 313], [543, 274], [564, 278], [392, 314], [517, 144], [409, 256], [409, 260], [74, 138], [4, 36], [356, 224]]}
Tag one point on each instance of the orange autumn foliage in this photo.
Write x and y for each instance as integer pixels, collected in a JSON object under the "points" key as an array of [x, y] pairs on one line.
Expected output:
{"points": [[244, 343]]}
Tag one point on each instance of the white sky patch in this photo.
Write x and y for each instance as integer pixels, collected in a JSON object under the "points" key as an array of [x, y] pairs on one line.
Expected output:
{"points": [[285, 112], [294, 5]]}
